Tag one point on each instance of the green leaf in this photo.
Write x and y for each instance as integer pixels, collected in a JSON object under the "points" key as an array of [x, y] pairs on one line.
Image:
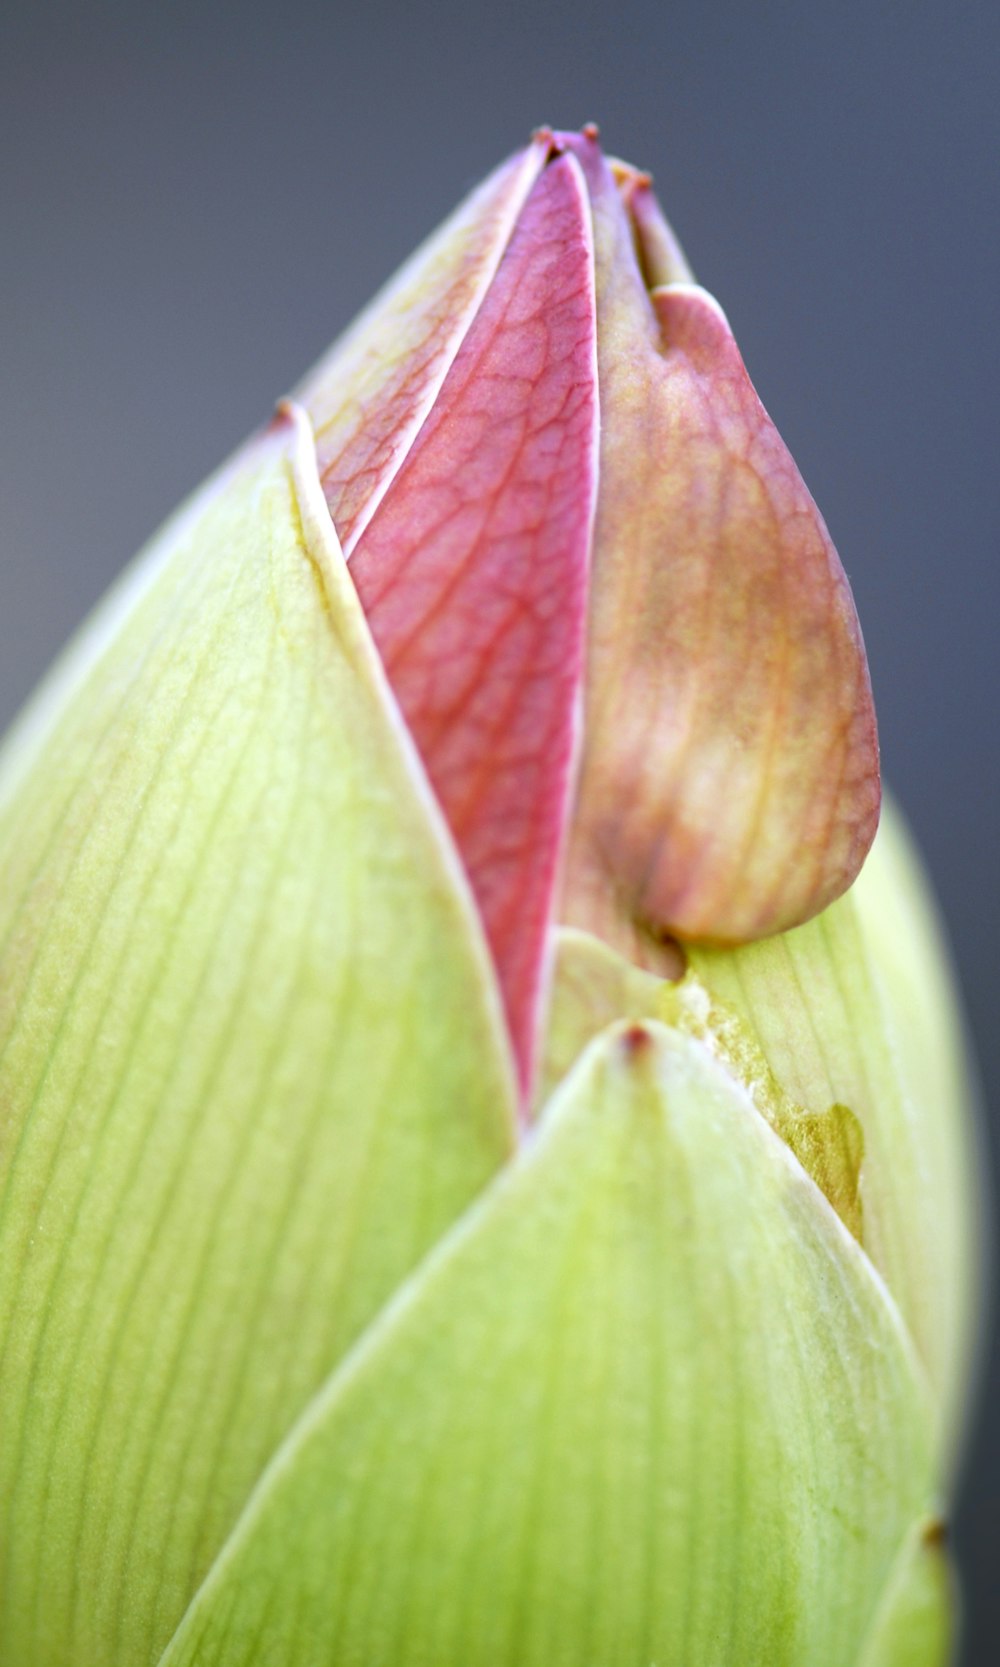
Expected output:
{"points": [[252, 1063], [858, 1008], [648, 1403]]}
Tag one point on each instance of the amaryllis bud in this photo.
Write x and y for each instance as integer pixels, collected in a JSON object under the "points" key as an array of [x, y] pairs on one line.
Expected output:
{"points": [[485, 1174]]}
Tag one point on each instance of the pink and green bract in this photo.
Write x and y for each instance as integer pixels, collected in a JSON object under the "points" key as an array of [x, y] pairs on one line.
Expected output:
{"points": [[485, 1173], [572, 524]]}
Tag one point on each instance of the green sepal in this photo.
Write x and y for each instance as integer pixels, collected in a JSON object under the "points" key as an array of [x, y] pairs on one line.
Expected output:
{"points": [[252, 1060], [858, 1008], [647, 1403]]}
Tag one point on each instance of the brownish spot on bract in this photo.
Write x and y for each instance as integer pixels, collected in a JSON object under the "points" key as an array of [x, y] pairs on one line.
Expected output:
{"points": [[636, 1040], [283, 417], [936, 1534]]}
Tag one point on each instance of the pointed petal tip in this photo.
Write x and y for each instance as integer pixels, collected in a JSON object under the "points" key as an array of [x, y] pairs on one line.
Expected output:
{"points": [[369, 396], [288, 430], [283, 417], [628, 178], [635, 1042], [661, 256], [551, 140], [291, 426], [565, 136]]}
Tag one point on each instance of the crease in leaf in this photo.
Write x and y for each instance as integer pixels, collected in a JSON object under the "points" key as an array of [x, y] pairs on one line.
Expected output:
{"points": [[223, 873], [515, 1466]]}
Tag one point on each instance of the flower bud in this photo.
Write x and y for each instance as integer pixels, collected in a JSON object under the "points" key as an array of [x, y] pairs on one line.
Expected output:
{"points": [[486, 1176]]}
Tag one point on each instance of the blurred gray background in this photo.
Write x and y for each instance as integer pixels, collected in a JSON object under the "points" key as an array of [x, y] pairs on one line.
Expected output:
{"points": [[195, 199]]}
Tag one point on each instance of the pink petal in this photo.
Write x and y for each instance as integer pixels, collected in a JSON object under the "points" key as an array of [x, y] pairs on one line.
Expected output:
{"points": [[473, 576], [730, 776], [369, 395]]}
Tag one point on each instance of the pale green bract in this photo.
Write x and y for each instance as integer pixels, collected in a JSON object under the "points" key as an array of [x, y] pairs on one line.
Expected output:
{"points": [[315, 1349], [567, 1408], [234, 935]]}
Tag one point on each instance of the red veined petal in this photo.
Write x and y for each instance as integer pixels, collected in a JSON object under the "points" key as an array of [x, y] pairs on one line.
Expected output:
{"points": [[473, 576]]}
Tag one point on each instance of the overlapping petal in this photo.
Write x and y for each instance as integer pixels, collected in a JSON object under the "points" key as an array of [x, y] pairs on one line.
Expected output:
{"points": [[858, 1007], [237, 1105], [563, 1443], [594, 987], [473, 576], [730, 777], [299, 1324], [369, 396], [846, 1035]]}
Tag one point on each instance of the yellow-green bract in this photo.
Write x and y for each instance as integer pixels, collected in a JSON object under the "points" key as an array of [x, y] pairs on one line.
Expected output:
{"points": [[409, 1257]]}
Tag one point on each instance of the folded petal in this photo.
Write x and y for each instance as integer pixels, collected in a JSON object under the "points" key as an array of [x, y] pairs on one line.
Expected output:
{"points": [[252, 1054], [369, 395], [730, 775], [647, 1403], [661, 258], [473, 576]]}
